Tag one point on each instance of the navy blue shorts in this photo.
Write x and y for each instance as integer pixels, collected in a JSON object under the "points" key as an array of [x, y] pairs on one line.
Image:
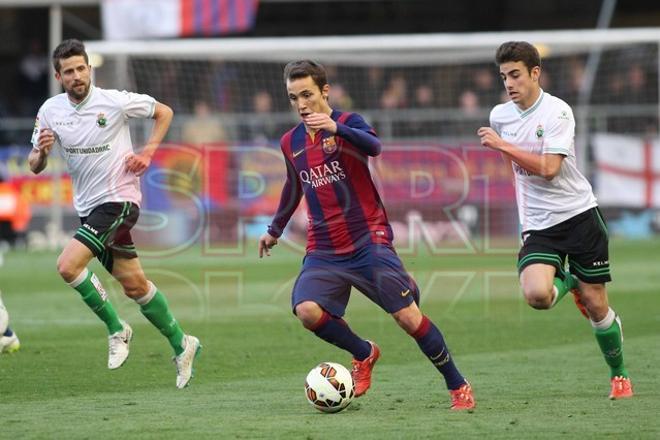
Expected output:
{"points": [[374, 270]]}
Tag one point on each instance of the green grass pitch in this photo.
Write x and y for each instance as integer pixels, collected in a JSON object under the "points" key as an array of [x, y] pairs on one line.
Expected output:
{"points": [[536, 374]]}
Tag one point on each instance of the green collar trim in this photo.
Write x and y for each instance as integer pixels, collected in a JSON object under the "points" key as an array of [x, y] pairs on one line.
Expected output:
{"points": [[84, 101], [524, 113]]}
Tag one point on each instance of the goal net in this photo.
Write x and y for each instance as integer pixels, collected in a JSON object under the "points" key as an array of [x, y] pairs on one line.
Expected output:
{"points": [[219, 177]]}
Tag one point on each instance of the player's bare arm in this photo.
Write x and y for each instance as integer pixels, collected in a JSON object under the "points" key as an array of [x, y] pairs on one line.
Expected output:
{"points": [[38, 157], [138, 163], [266, 243], [544, 165]]}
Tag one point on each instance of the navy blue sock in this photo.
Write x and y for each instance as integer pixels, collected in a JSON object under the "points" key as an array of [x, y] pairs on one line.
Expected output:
{"points": [[8, 332], [433, 345], [337, 332]]}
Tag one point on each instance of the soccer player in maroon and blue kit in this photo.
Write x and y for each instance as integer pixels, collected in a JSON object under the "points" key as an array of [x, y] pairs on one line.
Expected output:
{"points": [[349, 239]]}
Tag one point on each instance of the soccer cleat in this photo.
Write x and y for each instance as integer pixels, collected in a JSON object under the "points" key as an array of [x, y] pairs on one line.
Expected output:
{"points": [[118, 346], [621, 388], [361, 372], [9, 344], [184, 361], [462, 398]]}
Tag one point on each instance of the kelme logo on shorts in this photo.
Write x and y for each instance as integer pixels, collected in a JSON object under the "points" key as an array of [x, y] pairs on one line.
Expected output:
{"points": [[539, 131], [101, 121]]}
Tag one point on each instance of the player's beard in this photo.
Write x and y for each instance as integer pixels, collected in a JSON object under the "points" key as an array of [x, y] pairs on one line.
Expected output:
{"points": [[78, 96]]}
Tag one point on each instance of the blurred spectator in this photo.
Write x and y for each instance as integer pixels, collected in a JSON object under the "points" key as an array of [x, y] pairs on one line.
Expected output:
{"points": [[260, 127], [396, 94], [223, 84], [468, 103], [369, 96], [203, 127], [424, 98], [33, 71], [569, 89], [339, 98], [485, 87]]}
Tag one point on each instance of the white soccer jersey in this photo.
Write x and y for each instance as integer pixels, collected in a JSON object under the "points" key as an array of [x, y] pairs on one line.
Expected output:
{"points": [[547, 127], [94, 139]]}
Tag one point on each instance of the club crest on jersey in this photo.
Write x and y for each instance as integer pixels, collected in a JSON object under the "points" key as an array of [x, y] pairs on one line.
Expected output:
{"points": [[101, 121], [329, 145], [539, 131]]}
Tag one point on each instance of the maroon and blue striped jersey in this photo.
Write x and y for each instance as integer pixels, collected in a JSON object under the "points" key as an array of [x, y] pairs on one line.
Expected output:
{"points": [[345, 211]]}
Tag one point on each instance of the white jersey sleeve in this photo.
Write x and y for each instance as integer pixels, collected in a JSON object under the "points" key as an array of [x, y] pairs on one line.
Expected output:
{"points": [[134, 105], [39, 123], [560, 132]]}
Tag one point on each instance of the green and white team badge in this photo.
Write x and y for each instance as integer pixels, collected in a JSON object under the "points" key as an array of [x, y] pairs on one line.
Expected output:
{"points": [[539, 131], [101, 121]]}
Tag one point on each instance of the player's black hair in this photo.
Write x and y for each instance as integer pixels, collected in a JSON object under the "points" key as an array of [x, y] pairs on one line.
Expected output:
{"points": [[67, 49], [305, 68], [514, 51]]}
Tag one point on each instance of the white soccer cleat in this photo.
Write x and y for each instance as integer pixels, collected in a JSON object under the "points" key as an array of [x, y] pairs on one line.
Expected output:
{"points": [[9, 344], [118, 346], [184, 361]]}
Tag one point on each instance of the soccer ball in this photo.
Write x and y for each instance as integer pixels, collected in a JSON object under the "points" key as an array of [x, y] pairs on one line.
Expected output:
{"points": [[4, 319], [329, 387]]}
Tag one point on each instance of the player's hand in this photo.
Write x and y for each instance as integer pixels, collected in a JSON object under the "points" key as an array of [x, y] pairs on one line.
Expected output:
{"points": [[46, 141], [137, 163], [490, 138], [320, 121], [266, 242]]}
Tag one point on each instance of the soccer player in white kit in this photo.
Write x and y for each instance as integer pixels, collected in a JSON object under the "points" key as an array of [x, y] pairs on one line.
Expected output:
{"points": [[558, 211], [90, 125]]}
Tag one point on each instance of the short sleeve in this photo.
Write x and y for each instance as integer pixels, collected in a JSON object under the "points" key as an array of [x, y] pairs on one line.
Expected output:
{"points": [[39, 123], [560, 132], [494, 125], [136, 105]]}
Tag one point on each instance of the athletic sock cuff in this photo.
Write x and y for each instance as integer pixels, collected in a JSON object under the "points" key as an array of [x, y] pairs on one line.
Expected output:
{"points": [[423, 328], [325, 317], [147, 297], [82, 276], [606, 322]]}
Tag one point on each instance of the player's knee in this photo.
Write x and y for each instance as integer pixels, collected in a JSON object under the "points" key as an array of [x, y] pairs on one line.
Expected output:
{"points": [[539, 299], [136, 287], [309, 313], [68, 269], [409, 320]]}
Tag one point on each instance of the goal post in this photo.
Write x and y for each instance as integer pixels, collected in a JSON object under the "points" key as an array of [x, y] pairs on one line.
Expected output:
{"points": [[426, 95]]}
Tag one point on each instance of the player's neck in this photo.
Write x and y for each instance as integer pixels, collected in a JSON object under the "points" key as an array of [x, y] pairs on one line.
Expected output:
{"points": [[533, 97], [76, 101]]}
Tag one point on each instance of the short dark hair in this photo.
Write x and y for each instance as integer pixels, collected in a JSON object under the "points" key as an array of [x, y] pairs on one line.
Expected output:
{"points": [[67, 49], [305, 68], [514, 51]]}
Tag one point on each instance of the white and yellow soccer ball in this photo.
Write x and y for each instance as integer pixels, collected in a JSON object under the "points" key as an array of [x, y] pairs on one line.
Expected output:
{"points": [[329, 387]]}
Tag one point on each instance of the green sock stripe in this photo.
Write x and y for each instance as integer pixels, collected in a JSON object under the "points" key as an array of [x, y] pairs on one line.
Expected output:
{"points": [[540, 257], [601, 221], [91, 238], [118, 221]]}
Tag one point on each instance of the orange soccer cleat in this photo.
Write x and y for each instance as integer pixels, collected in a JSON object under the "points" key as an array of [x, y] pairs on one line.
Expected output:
{"points": [[462, 398], [362, 370], [621, 388]]}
